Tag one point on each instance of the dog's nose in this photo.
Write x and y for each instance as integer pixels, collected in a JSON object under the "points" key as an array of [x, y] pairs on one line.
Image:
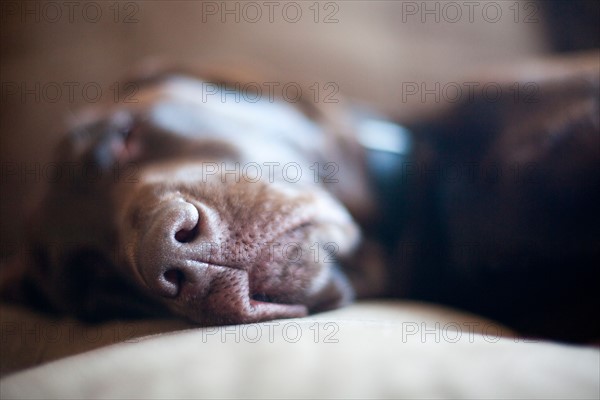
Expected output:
{"points": [[166, 248]]}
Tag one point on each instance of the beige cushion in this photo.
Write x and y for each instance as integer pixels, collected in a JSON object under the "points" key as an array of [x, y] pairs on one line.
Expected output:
{"points": [[375, 349]]}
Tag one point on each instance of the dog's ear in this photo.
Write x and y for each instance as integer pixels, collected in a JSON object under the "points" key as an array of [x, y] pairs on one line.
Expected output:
{"points": [[75, 208], [68, 229]]}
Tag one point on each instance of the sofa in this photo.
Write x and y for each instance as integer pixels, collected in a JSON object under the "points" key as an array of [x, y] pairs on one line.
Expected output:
{"points": [[372, 349]]}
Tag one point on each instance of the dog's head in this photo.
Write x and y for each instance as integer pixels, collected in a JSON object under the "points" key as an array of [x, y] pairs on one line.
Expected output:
{"points": [[198, 200]]}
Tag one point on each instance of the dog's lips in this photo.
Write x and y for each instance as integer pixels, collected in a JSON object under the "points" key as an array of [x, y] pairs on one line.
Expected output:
{"points": [[252, 305], [267, 310], [272, 300], [268, 297]]}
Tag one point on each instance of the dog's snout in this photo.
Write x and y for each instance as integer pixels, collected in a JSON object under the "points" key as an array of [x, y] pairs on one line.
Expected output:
{"points": [[237, 253]]}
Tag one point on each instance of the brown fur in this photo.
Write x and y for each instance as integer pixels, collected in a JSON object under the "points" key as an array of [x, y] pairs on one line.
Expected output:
{"points": [[156, 233]]}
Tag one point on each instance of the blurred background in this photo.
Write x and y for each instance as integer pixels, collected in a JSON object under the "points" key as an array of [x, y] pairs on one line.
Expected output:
{"points": [[57, 57]]}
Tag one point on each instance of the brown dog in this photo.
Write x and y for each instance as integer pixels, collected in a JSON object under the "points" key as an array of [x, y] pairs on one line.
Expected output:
{"points": [[201, 202], [501, 202], [223, 209]]}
